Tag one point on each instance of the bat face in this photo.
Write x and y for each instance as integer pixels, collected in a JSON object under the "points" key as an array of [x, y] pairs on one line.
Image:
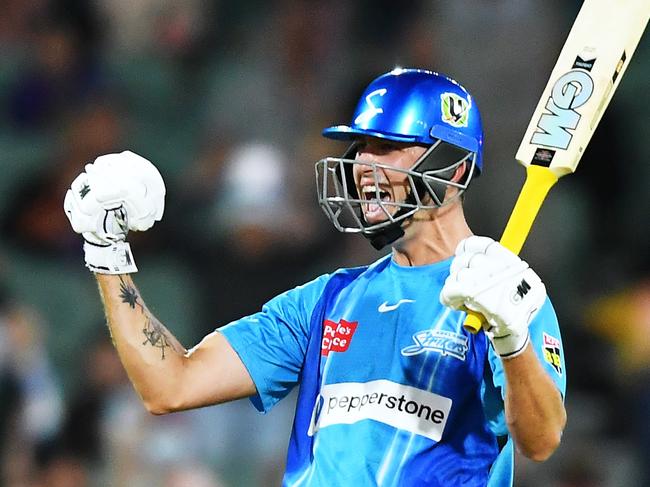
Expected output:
{"points": [[589, 68], [568, 95]]}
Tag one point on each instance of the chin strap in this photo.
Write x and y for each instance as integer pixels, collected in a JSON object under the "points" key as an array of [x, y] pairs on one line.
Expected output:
{"points": [[387, 235]]}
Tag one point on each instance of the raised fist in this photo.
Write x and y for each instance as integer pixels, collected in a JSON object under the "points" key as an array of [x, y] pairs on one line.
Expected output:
{"points": [[116, 180], [116, 193], [487, 278]]}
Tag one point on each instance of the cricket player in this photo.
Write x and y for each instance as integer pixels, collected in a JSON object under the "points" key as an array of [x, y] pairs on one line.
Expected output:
{"points": [[393, 390]]}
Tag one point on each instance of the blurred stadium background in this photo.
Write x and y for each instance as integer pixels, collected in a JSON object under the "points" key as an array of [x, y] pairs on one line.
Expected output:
{"points": [[228, 99]]}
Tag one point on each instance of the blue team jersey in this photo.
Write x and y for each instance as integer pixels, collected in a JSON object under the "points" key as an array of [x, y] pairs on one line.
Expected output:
{"points": [[393, 390]]}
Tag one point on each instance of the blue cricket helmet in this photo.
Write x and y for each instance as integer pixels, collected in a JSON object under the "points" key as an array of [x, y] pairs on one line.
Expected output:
{"points": [[415, 106], [418, 106]]}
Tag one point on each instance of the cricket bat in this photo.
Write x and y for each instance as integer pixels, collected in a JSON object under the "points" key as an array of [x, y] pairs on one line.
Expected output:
{"points": [[588, 71]]}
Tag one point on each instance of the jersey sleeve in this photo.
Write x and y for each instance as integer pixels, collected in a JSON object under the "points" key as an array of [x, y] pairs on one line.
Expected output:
{"points": [[272, 343], [547, 342]]}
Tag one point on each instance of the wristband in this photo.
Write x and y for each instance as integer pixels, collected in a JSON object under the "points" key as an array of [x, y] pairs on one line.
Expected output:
{"points": [[114, 258]]}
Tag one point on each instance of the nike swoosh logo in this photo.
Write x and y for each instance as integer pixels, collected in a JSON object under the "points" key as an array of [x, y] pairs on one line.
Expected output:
{"points": [[384, 307]]}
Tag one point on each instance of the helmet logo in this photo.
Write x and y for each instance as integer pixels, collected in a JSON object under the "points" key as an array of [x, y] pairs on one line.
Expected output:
{"points": [[371, 111], [455, 109]]}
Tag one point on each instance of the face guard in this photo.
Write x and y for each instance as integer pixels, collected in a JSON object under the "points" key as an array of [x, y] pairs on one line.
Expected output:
{"points": [[412, 106], [425, 185]]}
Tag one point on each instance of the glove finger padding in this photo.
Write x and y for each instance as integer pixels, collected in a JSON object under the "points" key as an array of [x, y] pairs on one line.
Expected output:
{"points": [[473, 251], [483, 262], [154, 185], [130, 180], [475, 245]]}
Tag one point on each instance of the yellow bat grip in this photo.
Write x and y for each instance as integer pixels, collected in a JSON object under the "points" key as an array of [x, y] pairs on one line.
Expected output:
{"points": [[539, 180]]}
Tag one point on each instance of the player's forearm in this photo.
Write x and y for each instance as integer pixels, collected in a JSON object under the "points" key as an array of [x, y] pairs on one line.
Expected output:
{"points": [[534, 410], [151, 355]]}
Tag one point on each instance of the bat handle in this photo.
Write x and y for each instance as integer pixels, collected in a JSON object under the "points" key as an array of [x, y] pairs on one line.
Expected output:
{"points": [[539, 180], [473, 321]]}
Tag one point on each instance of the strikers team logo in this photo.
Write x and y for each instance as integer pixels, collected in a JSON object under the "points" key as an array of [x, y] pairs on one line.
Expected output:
{"points": [[337, 336], [553, 352], [455, 109], [440, 341]]}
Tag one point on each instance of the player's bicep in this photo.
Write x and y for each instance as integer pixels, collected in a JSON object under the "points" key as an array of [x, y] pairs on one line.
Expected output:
{"points": [[272, 348], [213, 373]]}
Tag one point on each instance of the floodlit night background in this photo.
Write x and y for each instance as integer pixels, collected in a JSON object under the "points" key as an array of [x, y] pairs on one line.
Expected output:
{"points": [[228, 99]]}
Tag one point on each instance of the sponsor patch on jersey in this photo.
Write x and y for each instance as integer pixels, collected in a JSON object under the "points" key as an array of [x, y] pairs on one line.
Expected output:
{"points": [[440, 341], [553, 352], [455, 109], [337, 336], [403, 407]]}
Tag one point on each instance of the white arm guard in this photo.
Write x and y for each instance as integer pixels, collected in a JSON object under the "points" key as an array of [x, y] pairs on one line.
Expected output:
{"points": [[487, 278], [115, 194]]}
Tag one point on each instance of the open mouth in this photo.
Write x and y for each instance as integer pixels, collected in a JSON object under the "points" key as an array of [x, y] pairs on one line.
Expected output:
{"points": [[372, 209]]}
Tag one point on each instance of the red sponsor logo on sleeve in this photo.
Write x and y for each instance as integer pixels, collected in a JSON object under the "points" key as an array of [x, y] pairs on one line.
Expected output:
{"points": [[337, 336]]}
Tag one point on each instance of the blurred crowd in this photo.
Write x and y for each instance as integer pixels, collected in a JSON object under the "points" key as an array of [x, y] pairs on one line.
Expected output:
{"points": [[228, 100]]}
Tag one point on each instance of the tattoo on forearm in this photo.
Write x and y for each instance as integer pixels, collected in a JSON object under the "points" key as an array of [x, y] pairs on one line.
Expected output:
{"points": [[155, 333], [128, 294]]}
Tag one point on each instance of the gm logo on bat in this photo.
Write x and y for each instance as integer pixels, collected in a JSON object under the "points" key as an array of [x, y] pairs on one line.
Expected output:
{"points": [[572, 90]]}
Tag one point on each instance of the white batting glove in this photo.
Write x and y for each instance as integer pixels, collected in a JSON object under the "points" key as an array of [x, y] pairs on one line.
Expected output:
{"points": [[115, 194], [487, 278]]}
